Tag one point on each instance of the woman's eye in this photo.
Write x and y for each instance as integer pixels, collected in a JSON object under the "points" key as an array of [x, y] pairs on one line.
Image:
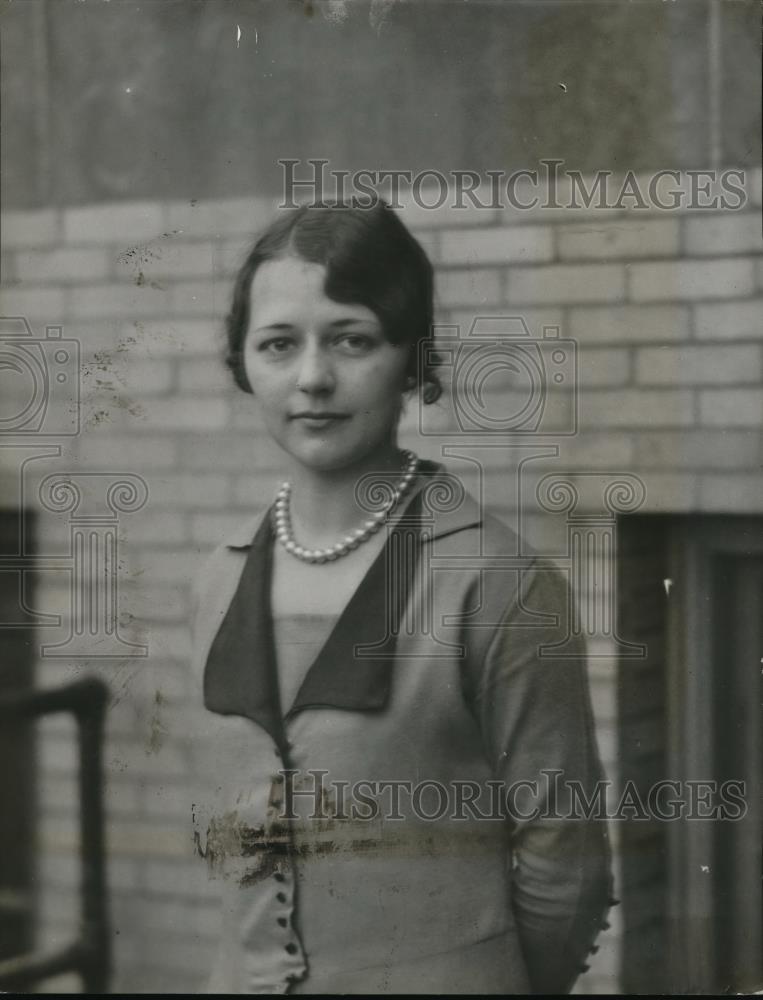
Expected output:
{"points": [[277, 345], [356, 342]]}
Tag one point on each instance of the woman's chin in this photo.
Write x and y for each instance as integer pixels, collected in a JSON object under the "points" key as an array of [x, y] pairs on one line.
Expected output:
{"points": [[327, 457]]}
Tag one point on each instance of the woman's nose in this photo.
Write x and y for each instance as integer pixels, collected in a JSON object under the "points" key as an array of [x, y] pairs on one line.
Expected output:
{"points": [[315, 372]]}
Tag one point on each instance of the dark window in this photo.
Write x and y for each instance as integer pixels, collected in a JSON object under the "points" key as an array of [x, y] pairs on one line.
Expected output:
{"points": [[691, 588]]}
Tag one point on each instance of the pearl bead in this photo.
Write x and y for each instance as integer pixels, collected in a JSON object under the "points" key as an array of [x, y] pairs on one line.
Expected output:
{"points": [[282, 521]]}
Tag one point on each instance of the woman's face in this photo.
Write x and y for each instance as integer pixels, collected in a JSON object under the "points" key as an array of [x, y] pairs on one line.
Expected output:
{"points": [[328, 382]]}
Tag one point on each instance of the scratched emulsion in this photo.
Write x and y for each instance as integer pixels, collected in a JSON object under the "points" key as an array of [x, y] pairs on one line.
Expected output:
{"points": [[250, 854]]}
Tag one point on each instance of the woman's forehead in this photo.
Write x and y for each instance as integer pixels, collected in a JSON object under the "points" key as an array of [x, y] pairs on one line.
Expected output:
{"points": [[292, 290]]}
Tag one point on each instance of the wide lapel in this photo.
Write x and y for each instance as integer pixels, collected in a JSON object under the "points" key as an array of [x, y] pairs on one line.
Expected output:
{"points": [[240, 676], [353, 670]]}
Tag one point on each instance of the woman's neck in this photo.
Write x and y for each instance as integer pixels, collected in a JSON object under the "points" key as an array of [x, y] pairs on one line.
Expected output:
{"points": [[323, 504]]}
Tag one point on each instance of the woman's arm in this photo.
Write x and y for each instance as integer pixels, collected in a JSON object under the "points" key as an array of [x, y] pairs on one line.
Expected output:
{"points": [[535, 713]]}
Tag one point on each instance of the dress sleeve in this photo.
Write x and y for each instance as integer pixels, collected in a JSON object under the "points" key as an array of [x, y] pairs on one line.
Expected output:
{"points": [[534, 709]]}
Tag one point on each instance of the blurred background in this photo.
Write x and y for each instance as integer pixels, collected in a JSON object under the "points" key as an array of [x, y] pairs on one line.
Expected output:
{"points": [[140, 148]]}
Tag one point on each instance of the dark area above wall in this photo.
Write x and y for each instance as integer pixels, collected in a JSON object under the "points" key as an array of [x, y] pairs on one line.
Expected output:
{"points": [[126, 99]]}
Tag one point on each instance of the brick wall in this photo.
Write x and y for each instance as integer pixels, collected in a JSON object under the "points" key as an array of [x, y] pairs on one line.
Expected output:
{"points": [[665, 308]]}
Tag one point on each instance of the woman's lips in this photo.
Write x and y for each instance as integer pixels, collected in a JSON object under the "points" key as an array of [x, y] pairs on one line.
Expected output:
{"points": [[319, 421]]}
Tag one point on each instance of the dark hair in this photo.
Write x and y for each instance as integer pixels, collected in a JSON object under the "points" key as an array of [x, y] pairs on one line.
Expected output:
{"points": [[370, 258]]}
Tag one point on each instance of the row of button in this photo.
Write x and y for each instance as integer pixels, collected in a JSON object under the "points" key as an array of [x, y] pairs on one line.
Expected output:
{"points": [[291, 948], [604, 925]]}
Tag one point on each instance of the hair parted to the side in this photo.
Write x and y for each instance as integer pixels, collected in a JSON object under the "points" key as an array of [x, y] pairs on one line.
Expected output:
{"points": [[371, 259]]}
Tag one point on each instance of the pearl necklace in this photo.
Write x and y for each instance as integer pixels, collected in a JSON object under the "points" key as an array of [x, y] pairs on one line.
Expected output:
{"points": [[349, 542]]}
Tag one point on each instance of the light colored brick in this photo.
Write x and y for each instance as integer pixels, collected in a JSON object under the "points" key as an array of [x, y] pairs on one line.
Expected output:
{"points": [[125, 375], [601, 408], [58, 792], [209, 529], [706, 279], [732, 233], [184, 491], [566, 283], [107, 411], [167, 259], [731, 407], [605, 366], [242, 453], [160, 338], [116, 300], [118, 223], [184, 413], [168, 676], [472, 287], [754, 185], [669, 492], [251, 492], [430, 242], [168, 802], [694, 192], [176, 917], [35, 228], [98, 339], [625, 238], [571, 200], [68, 264], [44, 304], [180, 879], [167, 761], [729, 320], [219, 217], [693, 365], [629, 324], [603, 700], [199, 298], [204, 375], [174, 565], [520, 244], [140, 451], [593, 451], [453, 211], [705, 449], [157, 604], [165, 639], [733, 494], [56, 756], [462, 321], [245, 415], [144, 376], [7, 269]]}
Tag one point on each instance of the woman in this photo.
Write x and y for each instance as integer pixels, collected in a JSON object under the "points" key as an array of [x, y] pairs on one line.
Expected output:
{"points": [[386, 739]]}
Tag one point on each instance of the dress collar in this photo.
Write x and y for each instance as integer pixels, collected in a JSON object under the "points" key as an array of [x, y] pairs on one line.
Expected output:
{"points": [[353, 670], [438, 516]]}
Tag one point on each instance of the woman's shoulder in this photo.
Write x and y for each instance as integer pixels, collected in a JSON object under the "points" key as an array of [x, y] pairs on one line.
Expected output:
{"points": [[455, 512], [227, 555]]}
